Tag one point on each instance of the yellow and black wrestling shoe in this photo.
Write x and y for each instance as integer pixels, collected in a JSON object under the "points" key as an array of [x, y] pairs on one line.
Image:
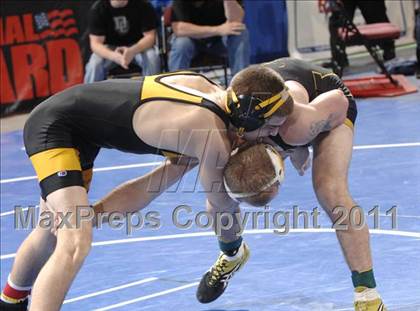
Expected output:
{"points": [[372, 305], [368, 299], [215, 281]]}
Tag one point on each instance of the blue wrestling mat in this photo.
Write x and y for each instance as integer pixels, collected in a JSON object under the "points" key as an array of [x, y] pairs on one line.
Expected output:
{"points": [[158, 269]]}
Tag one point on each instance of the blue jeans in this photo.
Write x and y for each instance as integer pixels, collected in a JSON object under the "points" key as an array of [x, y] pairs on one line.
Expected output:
{"points": [[97, 67], [183, 50]]}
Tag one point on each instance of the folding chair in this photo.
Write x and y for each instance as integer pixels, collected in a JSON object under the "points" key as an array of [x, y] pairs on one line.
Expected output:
{"points": [[369, 35]]}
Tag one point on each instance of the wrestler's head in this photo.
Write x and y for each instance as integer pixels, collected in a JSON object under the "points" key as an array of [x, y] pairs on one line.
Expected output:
{"points": [[258, 102], [254, 174]]}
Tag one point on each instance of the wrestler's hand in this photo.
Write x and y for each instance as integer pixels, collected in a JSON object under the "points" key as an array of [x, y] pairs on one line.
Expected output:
{"points": [[301, 159], [284, 153]]}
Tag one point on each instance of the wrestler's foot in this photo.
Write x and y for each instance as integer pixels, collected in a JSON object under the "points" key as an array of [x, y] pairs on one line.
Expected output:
{"points": [[367, 299], [20, 306], [215, 281]]}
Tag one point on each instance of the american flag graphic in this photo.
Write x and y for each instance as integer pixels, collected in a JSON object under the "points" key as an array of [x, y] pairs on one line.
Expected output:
{"points": [[56, 23]]}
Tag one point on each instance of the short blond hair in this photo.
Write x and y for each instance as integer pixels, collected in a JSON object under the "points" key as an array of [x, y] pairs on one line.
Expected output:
{"points": [[249, 171]]}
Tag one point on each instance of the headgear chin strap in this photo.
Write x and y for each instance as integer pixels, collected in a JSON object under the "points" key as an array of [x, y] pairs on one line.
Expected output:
{"points": [[278, 165], [248, 113]]}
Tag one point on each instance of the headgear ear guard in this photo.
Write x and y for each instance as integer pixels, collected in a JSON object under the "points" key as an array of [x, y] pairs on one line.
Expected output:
{"points": [[249, 113], [278, 166]]}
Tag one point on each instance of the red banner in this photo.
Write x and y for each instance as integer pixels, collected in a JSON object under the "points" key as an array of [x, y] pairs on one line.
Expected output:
{"points": [[43, 44]]}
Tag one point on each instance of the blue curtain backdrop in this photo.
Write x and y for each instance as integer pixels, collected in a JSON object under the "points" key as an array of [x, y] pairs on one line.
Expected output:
{"points": [[267, 25]]}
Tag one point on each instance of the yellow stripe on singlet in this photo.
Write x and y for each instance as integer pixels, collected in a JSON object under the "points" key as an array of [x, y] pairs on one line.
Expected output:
{"points": [[348, 122], [170, 154], [51, 161], [153, 88]]}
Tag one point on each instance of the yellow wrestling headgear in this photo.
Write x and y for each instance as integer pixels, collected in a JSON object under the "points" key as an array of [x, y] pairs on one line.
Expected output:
{"points": [[249, 113]]}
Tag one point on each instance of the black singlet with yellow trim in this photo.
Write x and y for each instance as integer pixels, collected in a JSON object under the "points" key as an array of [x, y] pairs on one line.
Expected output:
{"points": [[66, 131], [316, 80]]}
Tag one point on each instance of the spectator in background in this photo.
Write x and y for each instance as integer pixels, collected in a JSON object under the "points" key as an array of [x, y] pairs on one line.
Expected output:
{"points": [[372, 11], [121, 31], [213, 26]]}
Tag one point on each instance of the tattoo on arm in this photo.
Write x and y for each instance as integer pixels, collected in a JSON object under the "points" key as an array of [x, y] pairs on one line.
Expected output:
{"points": [[320, 126]]}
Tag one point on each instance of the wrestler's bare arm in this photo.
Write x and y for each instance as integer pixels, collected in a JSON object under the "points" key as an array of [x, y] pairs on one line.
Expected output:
{"points": [[137, 193], [212, 165], [324, 113], [181, 133]]}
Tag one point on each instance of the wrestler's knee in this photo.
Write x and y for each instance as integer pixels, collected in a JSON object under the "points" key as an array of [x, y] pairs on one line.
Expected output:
{"points": [[340, 207], [331, 192], [74, 244]]}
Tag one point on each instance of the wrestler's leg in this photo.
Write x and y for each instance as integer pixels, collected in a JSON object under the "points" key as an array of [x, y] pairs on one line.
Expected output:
{"points": [[30, 258], [331, 159], [332, 155], [73, 245]]}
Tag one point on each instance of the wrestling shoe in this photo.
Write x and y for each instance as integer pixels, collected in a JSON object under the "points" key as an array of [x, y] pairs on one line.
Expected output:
{"points": [[372, 305], [21, 306], [368, 299], [214, 282]]}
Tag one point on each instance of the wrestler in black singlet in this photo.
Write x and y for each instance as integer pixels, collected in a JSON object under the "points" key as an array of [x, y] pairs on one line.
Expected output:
{"points": [[316, 80], [63, 134]]}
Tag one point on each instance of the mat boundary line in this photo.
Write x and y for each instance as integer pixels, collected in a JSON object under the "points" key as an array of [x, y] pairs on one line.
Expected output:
{"points": [[121, 167], [411, 234]]}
